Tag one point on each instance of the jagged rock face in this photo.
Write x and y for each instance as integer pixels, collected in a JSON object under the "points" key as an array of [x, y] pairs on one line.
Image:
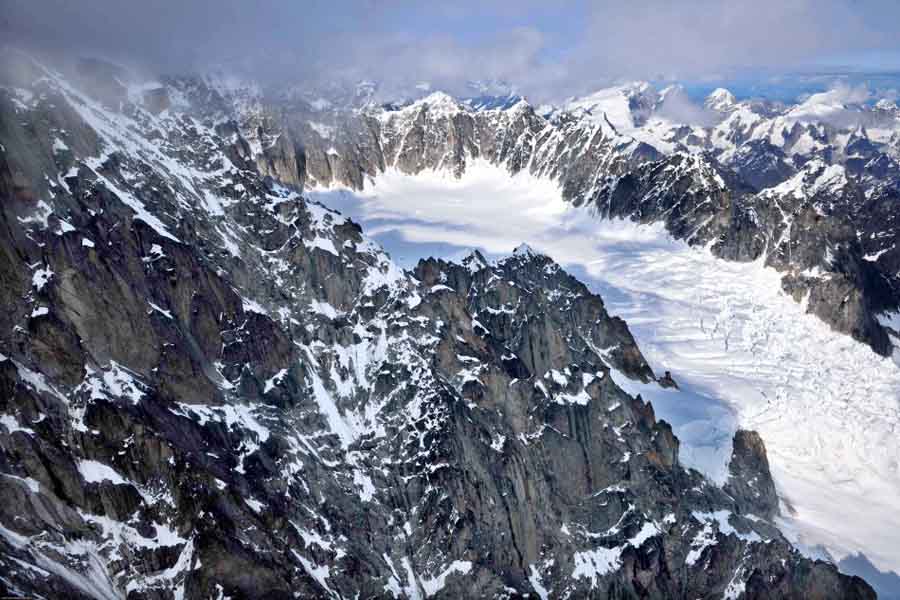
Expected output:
{"points": [[211, 387], [440, 133], [815, 230], [811, 211], [761, 164], [687, 193], [750, 481], [880, 248], [810, 226], [806, 228], [531, 301]]}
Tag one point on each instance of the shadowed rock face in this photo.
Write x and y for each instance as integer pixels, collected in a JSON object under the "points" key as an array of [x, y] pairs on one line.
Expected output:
{"points": [[211, 387], [750, 482]]}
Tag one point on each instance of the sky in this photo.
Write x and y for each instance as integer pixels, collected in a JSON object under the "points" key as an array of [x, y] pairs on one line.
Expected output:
{"points": [[546, 49]]}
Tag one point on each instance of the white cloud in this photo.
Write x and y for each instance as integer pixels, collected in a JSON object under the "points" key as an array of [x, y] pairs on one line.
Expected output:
{"points": [[547, 49]]}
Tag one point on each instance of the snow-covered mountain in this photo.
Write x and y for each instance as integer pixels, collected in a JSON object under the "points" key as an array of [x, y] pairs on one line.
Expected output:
{"points": [[214, 387], [742, 350], [621, 152], [839, 126]]}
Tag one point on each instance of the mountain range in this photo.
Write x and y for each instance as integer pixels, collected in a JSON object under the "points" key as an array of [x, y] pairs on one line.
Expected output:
{"points": [[215, 387]]}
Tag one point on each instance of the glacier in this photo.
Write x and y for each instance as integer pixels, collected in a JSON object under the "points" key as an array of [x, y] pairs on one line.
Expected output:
{"points": [[743, 353]]}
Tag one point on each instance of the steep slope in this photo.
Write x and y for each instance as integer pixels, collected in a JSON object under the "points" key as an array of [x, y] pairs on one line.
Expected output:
{"points": [[742, 351], [215, 388], [808, 228], [764, 142], [801, 225]]}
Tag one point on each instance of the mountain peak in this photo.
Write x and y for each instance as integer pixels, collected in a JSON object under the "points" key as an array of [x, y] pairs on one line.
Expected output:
{"points": [[440, 103], [474, 260], [816, 176], [672, 90], [720, 100], [526, 251]]}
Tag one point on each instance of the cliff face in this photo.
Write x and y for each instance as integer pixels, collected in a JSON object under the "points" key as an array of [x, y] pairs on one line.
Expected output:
{"points": [[827, 227], [211, 387]]}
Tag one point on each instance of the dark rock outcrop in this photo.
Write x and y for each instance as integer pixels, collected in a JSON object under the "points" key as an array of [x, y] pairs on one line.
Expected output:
{"points": [[750, 481]]}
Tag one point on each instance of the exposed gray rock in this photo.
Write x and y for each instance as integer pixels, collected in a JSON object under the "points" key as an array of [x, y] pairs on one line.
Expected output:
{"points": [[210, 386], [810, 219], [750, 481]]}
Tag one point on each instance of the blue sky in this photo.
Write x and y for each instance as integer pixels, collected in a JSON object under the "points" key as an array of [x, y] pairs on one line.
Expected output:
{"points": [[547, 49]]}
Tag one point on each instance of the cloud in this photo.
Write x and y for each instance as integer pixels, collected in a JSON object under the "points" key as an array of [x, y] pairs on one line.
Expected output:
{"points": [[702, 36], [546, 49], [677, 107], [837, 106], [839, 94]]}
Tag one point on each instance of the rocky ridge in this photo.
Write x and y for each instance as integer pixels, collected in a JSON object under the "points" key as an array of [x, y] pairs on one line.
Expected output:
{"points": [[215, 388], [824, 218]]}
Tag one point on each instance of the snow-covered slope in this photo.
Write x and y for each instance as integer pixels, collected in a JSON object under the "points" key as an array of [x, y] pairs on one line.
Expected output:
{"points": [[827, 406], [743, 352], [763, 141], [818, 239]]}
